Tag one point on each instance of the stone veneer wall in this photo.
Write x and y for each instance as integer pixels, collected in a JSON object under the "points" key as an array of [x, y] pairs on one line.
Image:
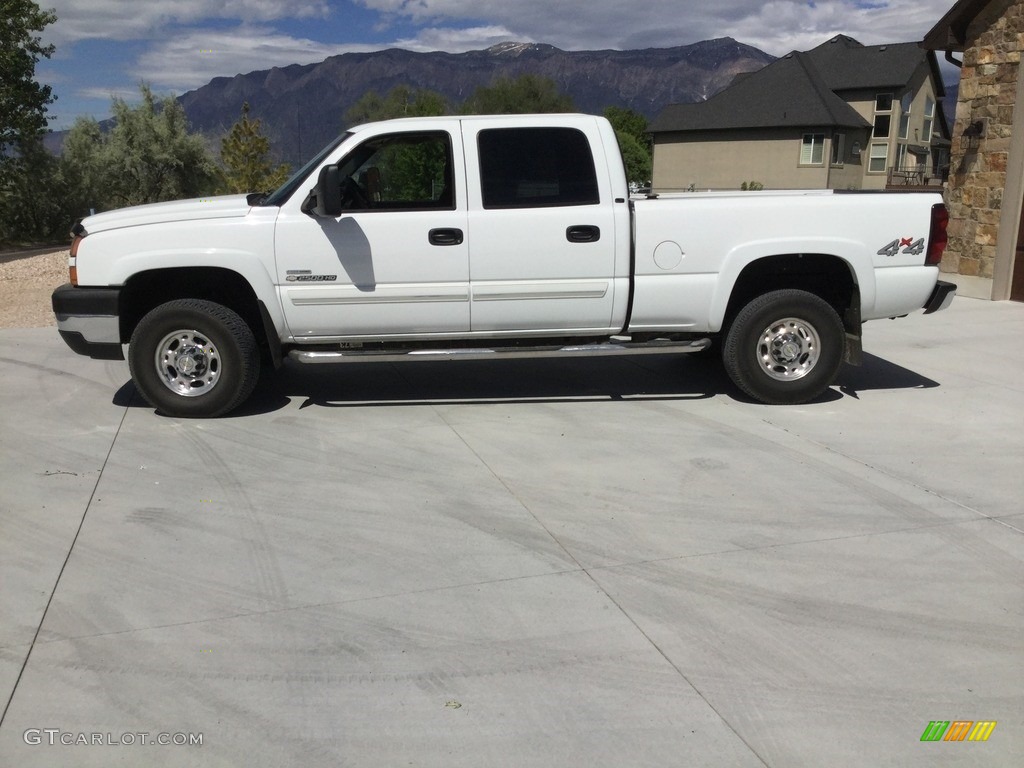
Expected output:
{"points": [[988, 88]]}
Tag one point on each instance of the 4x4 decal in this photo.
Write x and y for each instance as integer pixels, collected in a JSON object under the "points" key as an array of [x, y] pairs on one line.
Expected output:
{"points": [[910, 247]]}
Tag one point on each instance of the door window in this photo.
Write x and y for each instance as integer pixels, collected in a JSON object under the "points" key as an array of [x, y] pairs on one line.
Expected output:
{"points": [[404, 171]]}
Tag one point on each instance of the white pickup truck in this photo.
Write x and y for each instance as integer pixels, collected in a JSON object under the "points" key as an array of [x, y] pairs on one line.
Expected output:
{"points": [[434, 238]]}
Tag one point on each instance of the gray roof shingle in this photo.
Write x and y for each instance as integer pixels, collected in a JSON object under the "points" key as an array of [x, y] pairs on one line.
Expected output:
{"points": [[848, 65], [789, 92], [800, 89]]}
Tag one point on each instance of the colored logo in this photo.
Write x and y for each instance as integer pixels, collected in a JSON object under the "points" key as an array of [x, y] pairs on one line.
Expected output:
{"points": [[958, 730]]}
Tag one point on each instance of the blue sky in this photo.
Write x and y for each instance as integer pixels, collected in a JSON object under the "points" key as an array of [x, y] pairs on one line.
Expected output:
{"points": [[107, 47]]}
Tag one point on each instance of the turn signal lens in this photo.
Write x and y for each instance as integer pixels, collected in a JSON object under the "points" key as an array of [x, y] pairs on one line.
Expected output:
{"points": [[78, 234]]}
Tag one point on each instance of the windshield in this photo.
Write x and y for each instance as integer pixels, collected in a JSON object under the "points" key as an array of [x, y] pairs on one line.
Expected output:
{"points": [[285, 190]]}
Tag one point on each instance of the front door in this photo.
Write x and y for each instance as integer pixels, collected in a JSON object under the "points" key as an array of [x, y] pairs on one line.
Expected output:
{"points": [[396, 262]]}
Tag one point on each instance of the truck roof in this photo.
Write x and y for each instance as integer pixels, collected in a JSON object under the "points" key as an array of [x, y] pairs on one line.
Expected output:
{"points": [[559, 118]]}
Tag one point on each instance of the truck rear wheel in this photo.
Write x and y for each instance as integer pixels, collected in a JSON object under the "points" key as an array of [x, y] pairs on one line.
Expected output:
{"points": [[784, 347], [193, 358]]}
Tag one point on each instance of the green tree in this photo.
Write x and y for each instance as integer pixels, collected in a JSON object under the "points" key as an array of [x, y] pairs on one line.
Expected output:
{"points": [[23, 103], [148, 156], [634, 141], [151, 156], [400, 101], [636, 159], [32, 201], [625, 120], [245, 153], [81, 169], [527, 94]]}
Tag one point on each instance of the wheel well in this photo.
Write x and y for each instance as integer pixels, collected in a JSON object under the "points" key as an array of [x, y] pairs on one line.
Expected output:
{"points": [[146, 290], [826, 276]]}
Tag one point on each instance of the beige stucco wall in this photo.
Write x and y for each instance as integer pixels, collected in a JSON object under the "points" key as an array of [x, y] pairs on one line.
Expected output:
{"points": [[850, 175], [725, 161], [983, 232]]}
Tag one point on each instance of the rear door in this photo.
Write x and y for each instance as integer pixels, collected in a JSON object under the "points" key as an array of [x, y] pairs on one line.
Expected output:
{"points": [[542, 228]]}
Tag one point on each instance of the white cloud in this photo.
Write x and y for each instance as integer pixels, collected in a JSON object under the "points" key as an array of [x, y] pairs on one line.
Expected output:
{"points": [[193, 59], [131, 19], [781, 26], [777, 26], [125, 93], [458, 40]]}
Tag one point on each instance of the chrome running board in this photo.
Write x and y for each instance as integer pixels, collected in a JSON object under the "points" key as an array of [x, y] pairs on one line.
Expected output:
{"points": [[599, 349]]}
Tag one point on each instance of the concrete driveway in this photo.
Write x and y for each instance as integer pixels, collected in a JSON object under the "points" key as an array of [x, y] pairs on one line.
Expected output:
{"points": [[516, 563]]}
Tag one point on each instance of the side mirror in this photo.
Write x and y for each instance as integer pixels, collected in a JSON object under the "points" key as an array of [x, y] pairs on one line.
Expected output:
{"points": [[325, 198]]}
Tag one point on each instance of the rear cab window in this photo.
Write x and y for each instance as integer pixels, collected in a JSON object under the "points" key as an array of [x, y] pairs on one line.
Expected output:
{"points": [[536, 168]]}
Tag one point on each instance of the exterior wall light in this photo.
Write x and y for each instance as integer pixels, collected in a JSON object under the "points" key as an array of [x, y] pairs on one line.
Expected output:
{"points": [[971, 138]]}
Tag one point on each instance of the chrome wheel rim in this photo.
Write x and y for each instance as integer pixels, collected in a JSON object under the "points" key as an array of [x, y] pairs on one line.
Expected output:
{"points": [[188, 363], [788, 349]]}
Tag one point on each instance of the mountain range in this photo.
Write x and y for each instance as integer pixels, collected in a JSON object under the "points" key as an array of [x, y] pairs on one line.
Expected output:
{"points": [[303, 106]]}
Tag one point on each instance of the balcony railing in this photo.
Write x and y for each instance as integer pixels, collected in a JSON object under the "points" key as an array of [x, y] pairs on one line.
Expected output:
{"points": [[919, 177]]}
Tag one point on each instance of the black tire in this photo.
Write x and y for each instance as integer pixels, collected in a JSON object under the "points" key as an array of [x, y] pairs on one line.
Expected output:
{"points": [[193, 358], [784, 347]]}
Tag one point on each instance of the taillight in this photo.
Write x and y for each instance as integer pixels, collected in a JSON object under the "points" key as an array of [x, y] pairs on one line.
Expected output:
{"points": [[937, 237]]}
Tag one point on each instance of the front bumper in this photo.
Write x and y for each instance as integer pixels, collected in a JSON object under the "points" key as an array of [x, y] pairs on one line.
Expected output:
{"points": [[941, 297], [87, 320]]}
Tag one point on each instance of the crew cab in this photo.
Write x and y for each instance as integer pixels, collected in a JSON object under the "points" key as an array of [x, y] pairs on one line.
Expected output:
{"points": [[469, 237]]}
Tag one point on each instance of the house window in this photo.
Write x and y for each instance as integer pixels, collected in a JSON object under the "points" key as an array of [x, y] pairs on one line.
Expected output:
{"points": [[883, 116], [879, 158], [929, 120], [883, 124], [901, 158], [812, 149], [905, 103], [838, 148]]}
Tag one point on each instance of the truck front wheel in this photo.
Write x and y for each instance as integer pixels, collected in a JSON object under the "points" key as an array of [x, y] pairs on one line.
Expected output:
{"points": [[784, 347], [193, 358]]}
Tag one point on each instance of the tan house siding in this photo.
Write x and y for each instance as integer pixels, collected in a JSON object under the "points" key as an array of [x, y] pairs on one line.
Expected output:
{"points": [[850, 175], [984, 188], [725, 161]]}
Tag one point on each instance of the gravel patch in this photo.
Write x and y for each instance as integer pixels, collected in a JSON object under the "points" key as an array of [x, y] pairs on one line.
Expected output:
{"points": [[25, 288]]}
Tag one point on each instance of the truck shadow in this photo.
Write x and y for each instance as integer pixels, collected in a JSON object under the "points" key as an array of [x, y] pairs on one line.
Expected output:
{"points": [[879, 374], [476, 382]]}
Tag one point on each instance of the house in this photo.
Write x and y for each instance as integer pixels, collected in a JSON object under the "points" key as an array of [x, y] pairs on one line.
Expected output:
{"points": [[841, 116], [985, 192]]}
